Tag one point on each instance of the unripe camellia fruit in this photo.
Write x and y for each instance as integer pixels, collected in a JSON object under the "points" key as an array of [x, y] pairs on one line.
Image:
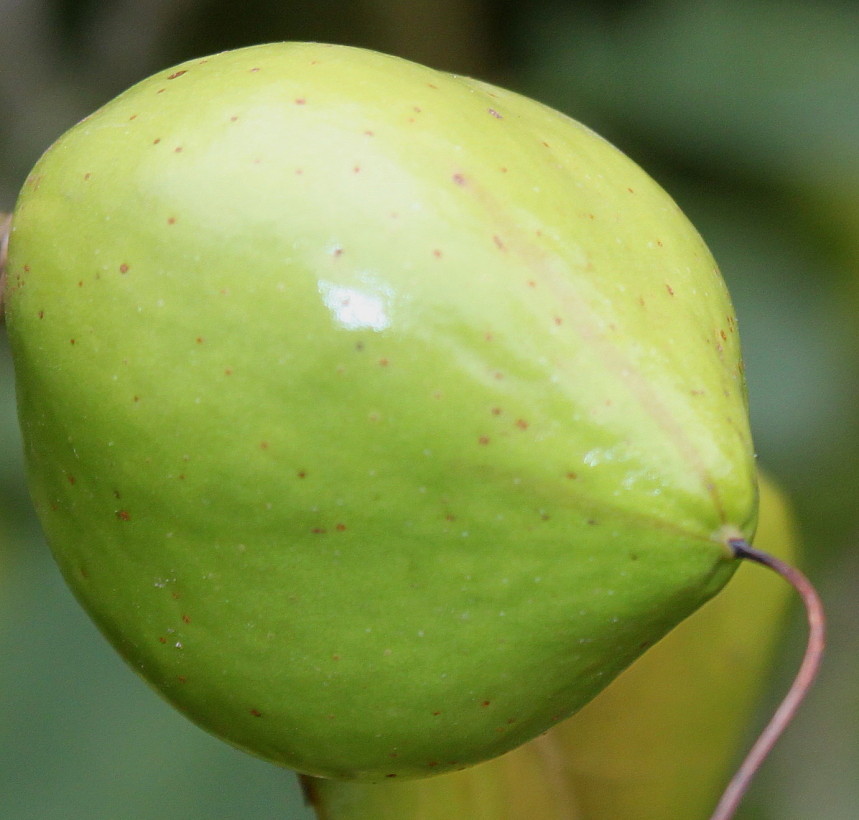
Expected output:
{"points": [[378, 416]]}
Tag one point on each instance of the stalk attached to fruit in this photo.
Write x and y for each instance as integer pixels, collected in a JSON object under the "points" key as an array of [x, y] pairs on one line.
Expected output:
{"points": [[379, 417]]}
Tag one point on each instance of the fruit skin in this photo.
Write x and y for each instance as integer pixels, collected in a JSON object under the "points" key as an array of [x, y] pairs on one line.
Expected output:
{"points": [[658, 742], [379, 417]]}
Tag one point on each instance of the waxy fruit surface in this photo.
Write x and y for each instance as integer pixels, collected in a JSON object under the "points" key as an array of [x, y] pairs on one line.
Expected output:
{"points": [[379, 417]]}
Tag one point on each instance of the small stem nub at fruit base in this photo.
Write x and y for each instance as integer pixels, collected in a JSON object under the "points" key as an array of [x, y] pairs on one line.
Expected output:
{"points": [[783, 715], [5, 230]]}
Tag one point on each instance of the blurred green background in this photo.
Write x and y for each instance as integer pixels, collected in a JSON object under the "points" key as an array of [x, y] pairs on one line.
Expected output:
{"points": [[747, 112]]}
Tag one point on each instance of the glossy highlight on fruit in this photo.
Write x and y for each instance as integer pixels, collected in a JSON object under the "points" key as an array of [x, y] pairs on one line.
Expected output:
{"points": [[379, 417]]}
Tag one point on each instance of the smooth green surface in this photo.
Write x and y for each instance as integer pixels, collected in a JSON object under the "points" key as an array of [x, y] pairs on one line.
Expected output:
{"points": [[355, 394], [657, 743]]}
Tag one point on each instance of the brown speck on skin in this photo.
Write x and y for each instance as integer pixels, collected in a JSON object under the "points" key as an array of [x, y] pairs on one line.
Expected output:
{"points": [[369, 133], [669, 289], [318, 530], [256, 712], [499, 243], [430, 85], [572, 476], [134, 116], [486, 703], [630, 190], [459, 179], [356, 169], [498, 375], [156, 140], [41, 314], [558, 320], [436, 253], [123, 268], [723, 335], [340, 528], [181, 678], [186, 619], [123, 515], [71, 341], [199, 340], [659, 243], [177, 149], [390, 775], [522, 424], [335, 657], [302, 474], [301, 101], [263, 445], [384, 362], [484, 440], [496, 411], [228, 371], [233, 118], [71, 479], [176, 74], [160, 90], [162, 639], [87, 175], [495, 114], [116, 494], [171, 220], [592, 522], [254, 70]]}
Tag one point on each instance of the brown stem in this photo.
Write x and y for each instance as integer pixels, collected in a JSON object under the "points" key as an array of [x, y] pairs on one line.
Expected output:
{"points": [[783, 715]]}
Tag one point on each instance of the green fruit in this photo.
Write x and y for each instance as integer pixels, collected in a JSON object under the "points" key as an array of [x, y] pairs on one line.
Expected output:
{"points": [[379, 417]]}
